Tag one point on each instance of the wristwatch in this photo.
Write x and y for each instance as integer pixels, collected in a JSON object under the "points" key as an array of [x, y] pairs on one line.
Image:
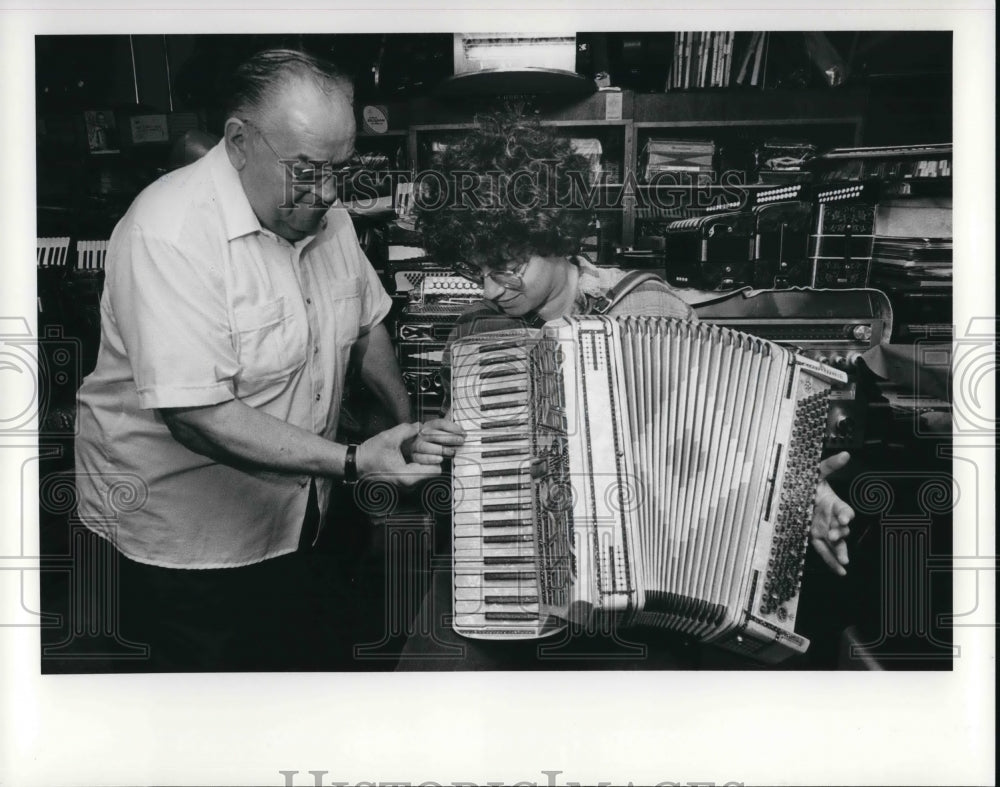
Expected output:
{"points": [[351, 465]]}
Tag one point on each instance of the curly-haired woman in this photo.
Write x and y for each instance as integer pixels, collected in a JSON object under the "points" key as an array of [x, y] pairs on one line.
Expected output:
{"points": [[506, 207]]}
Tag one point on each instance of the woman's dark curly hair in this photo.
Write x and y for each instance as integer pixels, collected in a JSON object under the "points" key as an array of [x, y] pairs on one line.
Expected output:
{"points": [[507, 189]]}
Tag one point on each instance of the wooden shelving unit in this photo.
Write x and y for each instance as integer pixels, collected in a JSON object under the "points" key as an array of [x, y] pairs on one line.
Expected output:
{"points": [[624, 120]]}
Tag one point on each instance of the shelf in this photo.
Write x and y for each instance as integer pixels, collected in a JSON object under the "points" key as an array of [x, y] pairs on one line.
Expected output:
{"points": [[735, 118], [708, 186], [466, 126], [721, 106], [495, 82], [397, 133], [434, 114]]}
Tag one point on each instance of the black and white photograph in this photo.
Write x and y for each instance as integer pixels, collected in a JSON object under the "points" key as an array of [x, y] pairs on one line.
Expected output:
{"points": [[638, 375]]}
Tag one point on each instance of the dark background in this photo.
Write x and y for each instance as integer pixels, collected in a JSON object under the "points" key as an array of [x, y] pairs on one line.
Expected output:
{"points": [[904, 78]]}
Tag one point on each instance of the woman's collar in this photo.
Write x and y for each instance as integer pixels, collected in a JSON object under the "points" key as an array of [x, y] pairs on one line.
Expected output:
{"points": [[589, 284]]}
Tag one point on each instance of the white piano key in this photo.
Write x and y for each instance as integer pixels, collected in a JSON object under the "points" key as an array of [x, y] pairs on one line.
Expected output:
{"points": [[471, 548], [510, 591], [481, 532], [499, 605], [479, 620]]}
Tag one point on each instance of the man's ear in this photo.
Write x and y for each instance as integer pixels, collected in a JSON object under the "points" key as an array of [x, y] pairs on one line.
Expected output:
{"points": [[236, 142]]}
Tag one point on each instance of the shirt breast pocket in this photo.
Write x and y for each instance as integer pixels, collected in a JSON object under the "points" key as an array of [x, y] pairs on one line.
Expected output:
{"points": [[345, 300], [271, 341]]}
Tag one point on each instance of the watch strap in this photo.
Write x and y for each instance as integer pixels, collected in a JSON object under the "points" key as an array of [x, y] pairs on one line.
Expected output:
{"points": [[351, 465]]}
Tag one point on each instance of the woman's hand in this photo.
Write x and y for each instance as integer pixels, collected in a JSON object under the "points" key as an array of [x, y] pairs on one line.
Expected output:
{"points": [[831, 517]]}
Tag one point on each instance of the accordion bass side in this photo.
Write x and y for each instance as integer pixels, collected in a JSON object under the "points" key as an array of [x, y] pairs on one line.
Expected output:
{"points": [[653, 470]]}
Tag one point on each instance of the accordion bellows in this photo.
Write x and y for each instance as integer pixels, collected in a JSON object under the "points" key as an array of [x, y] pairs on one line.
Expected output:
{"points": [[648, 470]]}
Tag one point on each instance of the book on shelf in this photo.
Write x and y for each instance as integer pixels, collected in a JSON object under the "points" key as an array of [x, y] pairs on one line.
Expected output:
{"points": [[758, 60], [715, 60], [688, 59], [675, 65], [748, 57], [702, 57], [712, 59], [720, 75], [683, 60], [728, 70], [720, 52]]}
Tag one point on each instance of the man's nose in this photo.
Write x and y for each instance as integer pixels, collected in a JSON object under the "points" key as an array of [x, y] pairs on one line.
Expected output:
{"points": [[327, 191]]}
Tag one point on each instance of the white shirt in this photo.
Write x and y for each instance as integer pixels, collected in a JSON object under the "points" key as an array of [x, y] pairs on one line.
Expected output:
{"points": [[202, 305]]}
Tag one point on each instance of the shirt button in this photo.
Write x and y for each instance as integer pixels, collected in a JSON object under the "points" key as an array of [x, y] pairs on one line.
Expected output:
{"points": [[315, 349], [317, 397], [309, 300]]}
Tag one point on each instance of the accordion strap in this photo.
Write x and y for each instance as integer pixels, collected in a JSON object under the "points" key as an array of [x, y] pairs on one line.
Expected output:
{"points": [[625, 285]]}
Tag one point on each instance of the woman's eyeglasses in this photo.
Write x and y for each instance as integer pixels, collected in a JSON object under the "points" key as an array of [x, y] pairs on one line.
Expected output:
{"points": [[508, 279]]}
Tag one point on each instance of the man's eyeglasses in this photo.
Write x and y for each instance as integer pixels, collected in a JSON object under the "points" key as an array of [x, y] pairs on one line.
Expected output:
{"points": [[310, 174], [508, 279]]}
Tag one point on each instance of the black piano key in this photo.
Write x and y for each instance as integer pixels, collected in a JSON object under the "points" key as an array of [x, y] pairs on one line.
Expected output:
{"points": [[517, 539], [497, 507], [524, 522], [508, 576], [502, 438], [499, 472], [510, 344], [509, 424], [514, 560], [511, 599], [511, 615], [507, 488], [493, 374], [501, 359], [487, 406], [502, 392]]}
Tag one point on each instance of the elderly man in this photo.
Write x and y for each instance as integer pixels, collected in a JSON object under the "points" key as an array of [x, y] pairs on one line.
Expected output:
{"points": [[235, 297]]}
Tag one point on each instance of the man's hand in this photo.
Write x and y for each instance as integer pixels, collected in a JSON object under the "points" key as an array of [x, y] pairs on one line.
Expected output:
{"points": [[831, 517], [382, 457], [436, 440]]}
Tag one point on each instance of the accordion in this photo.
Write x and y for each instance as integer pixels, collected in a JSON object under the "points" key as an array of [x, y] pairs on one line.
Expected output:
{"points": [[711, 252], [655, 471]]}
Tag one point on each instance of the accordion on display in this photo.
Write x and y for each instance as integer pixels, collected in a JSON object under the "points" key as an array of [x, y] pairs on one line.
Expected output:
{"points": [[648, 471], [711, 252]]}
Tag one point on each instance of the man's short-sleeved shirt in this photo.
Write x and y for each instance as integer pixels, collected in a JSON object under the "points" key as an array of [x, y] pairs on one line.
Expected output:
{"points": [[202, 305]]}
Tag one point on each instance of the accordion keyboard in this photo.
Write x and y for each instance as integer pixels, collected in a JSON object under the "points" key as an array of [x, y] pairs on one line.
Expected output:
{"points": [[496, 584]]}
